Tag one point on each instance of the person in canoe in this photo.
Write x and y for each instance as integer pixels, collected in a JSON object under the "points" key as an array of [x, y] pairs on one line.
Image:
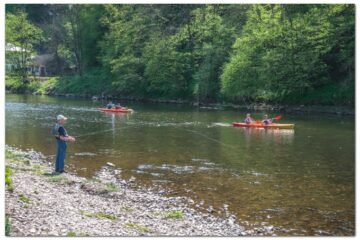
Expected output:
{"points": [[61, 136], [110, 105], [118, 106], [266, 120], [248, 119]]}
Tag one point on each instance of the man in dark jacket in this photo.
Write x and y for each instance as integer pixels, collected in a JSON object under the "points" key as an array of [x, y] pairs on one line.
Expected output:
{"points": [[61, 137]]}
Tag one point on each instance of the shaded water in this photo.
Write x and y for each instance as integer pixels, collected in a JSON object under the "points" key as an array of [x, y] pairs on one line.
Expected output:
{"points": [[301, 180]]}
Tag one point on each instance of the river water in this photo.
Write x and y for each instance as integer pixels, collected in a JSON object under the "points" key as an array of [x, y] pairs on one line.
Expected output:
{"points": [[302, 180]]}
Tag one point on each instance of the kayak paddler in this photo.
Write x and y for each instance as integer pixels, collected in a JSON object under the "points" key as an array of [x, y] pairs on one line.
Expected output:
{"points": [[62, 138], [248, 119], [110, 105], [118, 106], [266, 120]]}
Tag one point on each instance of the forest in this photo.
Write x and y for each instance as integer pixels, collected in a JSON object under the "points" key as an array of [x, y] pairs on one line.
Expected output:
{"points": [[238, 53]]}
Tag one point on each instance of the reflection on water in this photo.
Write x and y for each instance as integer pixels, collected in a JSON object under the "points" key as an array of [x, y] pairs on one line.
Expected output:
{"points": [[279, 136], [301, 180]]}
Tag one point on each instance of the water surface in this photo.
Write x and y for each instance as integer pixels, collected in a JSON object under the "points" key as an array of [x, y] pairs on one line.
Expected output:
{"points": [[301, 180]]}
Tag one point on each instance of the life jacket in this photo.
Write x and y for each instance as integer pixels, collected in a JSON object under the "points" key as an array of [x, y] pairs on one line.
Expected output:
{"points": [[55, 130], [248, 120]]}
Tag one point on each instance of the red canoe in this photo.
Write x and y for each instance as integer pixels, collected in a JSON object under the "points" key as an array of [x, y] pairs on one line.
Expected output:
{"points": [[260, 125]]}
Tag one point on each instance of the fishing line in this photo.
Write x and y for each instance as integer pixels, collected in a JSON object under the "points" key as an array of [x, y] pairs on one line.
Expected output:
{"points": [[97, 132], [207, 137]]}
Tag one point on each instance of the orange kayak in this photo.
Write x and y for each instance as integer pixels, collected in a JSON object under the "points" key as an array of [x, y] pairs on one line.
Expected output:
{"points": [[260, 125], [113, 110]]}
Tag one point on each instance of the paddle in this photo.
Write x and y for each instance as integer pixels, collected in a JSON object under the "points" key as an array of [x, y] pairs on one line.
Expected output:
{"points": [[275, 118]]}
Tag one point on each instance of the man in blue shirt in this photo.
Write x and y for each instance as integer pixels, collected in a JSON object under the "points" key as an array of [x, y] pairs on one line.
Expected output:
{"points": [[61, 137]]}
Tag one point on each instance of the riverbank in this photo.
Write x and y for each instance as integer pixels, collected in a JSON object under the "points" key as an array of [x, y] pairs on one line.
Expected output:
{"points": [[261, 107], [40, 203], [54, 86]]}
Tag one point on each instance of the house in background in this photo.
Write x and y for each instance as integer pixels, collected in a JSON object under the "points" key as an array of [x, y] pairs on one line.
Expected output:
{"points": [[12, 57], [36, 64]]}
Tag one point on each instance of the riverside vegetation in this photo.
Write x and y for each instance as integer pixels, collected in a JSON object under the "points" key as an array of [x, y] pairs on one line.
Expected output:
{"points": [[39, 203], [282, 53]]}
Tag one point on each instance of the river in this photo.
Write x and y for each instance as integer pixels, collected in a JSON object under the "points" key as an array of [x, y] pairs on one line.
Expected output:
{"points": [[300, 180]]}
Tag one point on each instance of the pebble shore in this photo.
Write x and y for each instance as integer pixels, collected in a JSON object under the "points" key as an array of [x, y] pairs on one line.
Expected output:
{"points": [[41, 203]]}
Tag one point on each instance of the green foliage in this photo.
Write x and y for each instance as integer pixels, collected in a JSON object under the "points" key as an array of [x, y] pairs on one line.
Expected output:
{"points": [[24, 199], [303, 53], [100, 215], [213, 40], [49, 86], [21, 33], [8, 180], [166, 70], [71, 234], [282, 53], [38, 169], [175, 215], [137, 227], [14, 84], [110, 187], [7, 225], [56, 178], [8, 173]]}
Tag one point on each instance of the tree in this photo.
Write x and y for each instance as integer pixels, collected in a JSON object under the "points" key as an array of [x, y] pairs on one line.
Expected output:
{"points": [[213, 40], [23, 34], [283, 52]]}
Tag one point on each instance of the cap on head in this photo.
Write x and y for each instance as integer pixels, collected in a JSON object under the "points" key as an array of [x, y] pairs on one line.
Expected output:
{"points": [[59, 117]]}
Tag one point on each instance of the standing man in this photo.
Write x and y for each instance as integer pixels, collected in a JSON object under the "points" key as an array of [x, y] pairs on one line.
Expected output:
{"points": [[61, 137]]}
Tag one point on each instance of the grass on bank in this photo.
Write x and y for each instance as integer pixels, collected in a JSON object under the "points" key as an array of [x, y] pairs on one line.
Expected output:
{"points": [[8, 173], [137, 227], [24, 198], [12, 156], [111, 187], [100, 215], [174, 215], [7, 225], [71, 234]]}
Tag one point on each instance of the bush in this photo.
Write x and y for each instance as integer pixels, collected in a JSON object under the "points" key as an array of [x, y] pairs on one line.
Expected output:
{"points": [[92, 82], [14, 84], [49, 86], [331, 94]]}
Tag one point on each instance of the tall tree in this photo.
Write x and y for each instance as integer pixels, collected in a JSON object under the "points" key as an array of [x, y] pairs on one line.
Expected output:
{"points": [[22, 35]]}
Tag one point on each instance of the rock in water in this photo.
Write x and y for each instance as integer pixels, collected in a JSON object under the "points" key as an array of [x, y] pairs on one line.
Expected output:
{"points": [[110, 164]]}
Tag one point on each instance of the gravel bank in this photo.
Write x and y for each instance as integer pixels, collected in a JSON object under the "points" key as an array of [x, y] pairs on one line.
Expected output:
{"points": [[44, 204]]}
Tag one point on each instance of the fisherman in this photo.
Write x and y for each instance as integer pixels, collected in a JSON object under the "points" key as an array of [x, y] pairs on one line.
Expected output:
{"points": [[266, 120], [61, 137], [248, 119], [110, 105]]}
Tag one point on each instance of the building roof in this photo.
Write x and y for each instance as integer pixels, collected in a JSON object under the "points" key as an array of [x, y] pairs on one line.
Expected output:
{"points": [[13, 48]]}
